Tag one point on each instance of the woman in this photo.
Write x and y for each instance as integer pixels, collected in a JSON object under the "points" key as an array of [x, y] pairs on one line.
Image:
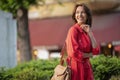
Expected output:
{"points": [[81, 44]]}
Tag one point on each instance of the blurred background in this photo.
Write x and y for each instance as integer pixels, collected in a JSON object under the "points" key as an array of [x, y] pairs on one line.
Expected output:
{"points": [[49, 24], [46, 26]]}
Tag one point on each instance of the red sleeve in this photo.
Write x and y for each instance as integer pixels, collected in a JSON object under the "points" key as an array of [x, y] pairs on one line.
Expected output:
{"points": [[96, 50], [73, 48]]}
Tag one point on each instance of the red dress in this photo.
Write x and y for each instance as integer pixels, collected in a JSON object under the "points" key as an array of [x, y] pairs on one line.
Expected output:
{"points": [[78, 43]]}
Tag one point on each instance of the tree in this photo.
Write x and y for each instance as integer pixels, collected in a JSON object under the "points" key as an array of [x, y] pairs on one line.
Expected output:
{"points": [[19, 8]]}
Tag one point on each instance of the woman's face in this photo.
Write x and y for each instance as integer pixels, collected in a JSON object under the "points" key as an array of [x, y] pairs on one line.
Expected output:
{"points": [[80, 15]]}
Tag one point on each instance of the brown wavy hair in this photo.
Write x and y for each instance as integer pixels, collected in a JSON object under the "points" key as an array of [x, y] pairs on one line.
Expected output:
{"points": [[87, 11]]}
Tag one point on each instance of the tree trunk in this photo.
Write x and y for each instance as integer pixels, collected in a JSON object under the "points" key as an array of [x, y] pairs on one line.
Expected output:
{"points": [[23, 35]]}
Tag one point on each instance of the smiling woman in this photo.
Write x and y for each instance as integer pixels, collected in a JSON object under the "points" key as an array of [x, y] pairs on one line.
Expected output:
{"points": [[81, 44], [80, 15]]}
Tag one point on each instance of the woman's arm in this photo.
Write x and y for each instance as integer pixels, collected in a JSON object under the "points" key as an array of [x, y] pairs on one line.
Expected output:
{"points": [[73, 48], [93, 41], [88, 30], [95, 47]]}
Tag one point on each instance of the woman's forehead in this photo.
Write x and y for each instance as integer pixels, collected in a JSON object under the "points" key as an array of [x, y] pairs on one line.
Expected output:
{"points": [[80, 8]]}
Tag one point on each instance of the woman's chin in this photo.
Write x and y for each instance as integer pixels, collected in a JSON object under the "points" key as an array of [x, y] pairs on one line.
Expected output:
{"points": [[80, 22]]}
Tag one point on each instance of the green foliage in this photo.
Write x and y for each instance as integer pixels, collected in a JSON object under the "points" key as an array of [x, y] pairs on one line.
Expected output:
{"points": [[13, 5], [2, 71], [34, 70], [105, 67], [115, 77]]}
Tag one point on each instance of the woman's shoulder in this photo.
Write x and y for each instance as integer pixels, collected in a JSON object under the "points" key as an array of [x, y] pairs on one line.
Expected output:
{"points": [[73, 28]]}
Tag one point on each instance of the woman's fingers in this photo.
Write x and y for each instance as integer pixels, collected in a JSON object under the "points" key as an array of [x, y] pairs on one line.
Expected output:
{"points": [[85, 27]]}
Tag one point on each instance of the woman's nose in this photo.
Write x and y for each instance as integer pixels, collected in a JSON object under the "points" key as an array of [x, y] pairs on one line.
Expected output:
{"points": [[80, 14]]}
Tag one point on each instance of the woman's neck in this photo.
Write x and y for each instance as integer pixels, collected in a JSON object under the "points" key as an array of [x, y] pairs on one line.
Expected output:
{"points": [[79, 23]]}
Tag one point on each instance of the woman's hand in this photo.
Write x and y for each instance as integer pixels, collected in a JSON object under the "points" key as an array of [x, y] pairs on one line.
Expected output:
{"points": [[86, 28]]}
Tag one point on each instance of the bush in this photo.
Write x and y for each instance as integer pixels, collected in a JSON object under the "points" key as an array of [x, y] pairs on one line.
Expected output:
{"points": [[2, 71], [105, 67], [115, 77], [34, 70]]}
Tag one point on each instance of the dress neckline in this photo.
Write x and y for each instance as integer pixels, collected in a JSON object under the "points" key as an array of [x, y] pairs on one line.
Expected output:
{"points": [[78, 26]]}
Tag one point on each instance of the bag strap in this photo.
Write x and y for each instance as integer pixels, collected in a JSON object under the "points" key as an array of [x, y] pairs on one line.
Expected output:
{"points": [[63, 54]]}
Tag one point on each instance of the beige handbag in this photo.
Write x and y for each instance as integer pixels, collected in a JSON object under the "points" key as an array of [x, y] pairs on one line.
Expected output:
{"points": [[62, 72]]}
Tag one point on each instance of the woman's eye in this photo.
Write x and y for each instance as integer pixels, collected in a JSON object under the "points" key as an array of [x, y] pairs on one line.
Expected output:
{"points": [[78, 12]]}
